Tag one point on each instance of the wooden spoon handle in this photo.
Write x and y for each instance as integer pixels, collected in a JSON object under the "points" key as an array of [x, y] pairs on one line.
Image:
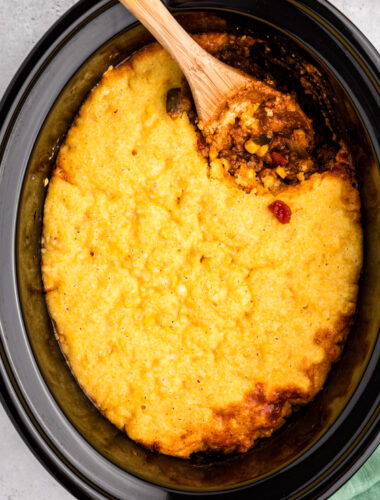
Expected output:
{"points": [[158, 20]]}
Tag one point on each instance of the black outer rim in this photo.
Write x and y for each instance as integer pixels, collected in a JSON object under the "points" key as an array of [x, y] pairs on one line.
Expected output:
{"points": [[10, 394]]}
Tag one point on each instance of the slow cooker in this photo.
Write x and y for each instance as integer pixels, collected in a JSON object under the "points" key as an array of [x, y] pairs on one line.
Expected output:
{"points": [[322, 444]]}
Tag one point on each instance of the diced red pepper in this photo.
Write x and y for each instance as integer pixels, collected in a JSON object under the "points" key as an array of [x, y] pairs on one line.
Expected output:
{"points": [[281, 210], [278, 159]]}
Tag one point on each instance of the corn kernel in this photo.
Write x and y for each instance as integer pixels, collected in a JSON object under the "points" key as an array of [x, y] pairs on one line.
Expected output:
{"points": [[300, 137], [305, 165], [251, 146], [299, 134], [280, 171], [268, 180], [254, 125], [216, 169], [213, 154], [263, 150], [300, 177], [226, 163]]}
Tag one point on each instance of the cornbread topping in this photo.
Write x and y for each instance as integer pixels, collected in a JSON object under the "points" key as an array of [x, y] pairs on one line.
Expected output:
{"points": [[195, 310]]}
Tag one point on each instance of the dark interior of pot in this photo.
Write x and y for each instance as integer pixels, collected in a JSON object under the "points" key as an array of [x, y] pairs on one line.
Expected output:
{"points": [[321, 96]]}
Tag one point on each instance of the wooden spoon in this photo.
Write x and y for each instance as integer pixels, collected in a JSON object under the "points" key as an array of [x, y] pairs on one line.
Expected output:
{"points": [[211, 81]]}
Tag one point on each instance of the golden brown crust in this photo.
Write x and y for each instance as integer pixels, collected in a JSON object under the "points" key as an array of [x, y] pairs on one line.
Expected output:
{"points": [[182, 306], [259, 415]]}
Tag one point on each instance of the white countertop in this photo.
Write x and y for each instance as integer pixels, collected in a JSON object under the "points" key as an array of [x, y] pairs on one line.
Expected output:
{"points": [[22, 23]]}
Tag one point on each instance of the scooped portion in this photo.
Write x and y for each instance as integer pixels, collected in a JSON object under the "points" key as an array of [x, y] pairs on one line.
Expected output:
{"points": [[192, 312], [260, 138]]}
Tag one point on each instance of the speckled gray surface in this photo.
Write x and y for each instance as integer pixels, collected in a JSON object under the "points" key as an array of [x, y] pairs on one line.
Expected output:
{"points": [[22, 23]]}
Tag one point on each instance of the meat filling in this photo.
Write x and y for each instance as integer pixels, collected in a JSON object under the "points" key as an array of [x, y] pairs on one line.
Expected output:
{"points": [[261, 140]]}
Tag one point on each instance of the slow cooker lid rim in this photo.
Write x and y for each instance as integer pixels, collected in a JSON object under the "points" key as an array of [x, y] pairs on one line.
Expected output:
{"points": [[342, 25], [38, 443], [322, 9]]}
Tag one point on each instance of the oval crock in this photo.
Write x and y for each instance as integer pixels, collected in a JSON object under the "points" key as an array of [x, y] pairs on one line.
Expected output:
{"points": [[323, 444]]}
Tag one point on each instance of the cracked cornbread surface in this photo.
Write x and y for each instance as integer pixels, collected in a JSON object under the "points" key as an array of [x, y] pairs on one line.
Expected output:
{"points": [[187, 312]]}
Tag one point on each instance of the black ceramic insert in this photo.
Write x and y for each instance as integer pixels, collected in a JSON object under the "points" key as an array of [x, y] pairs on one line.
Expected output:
{"points": [[321, 445]]}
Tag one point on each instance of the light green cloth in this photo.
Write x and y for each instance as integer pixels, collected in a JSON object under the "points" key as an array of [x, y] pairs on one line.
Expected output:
{"points": [[365, 484]]}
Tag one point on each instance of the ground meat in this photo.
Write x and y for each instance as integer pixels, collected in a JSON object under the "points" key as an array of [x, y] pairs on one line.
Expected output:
{"points": [[260, 129], [262, 140]]}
